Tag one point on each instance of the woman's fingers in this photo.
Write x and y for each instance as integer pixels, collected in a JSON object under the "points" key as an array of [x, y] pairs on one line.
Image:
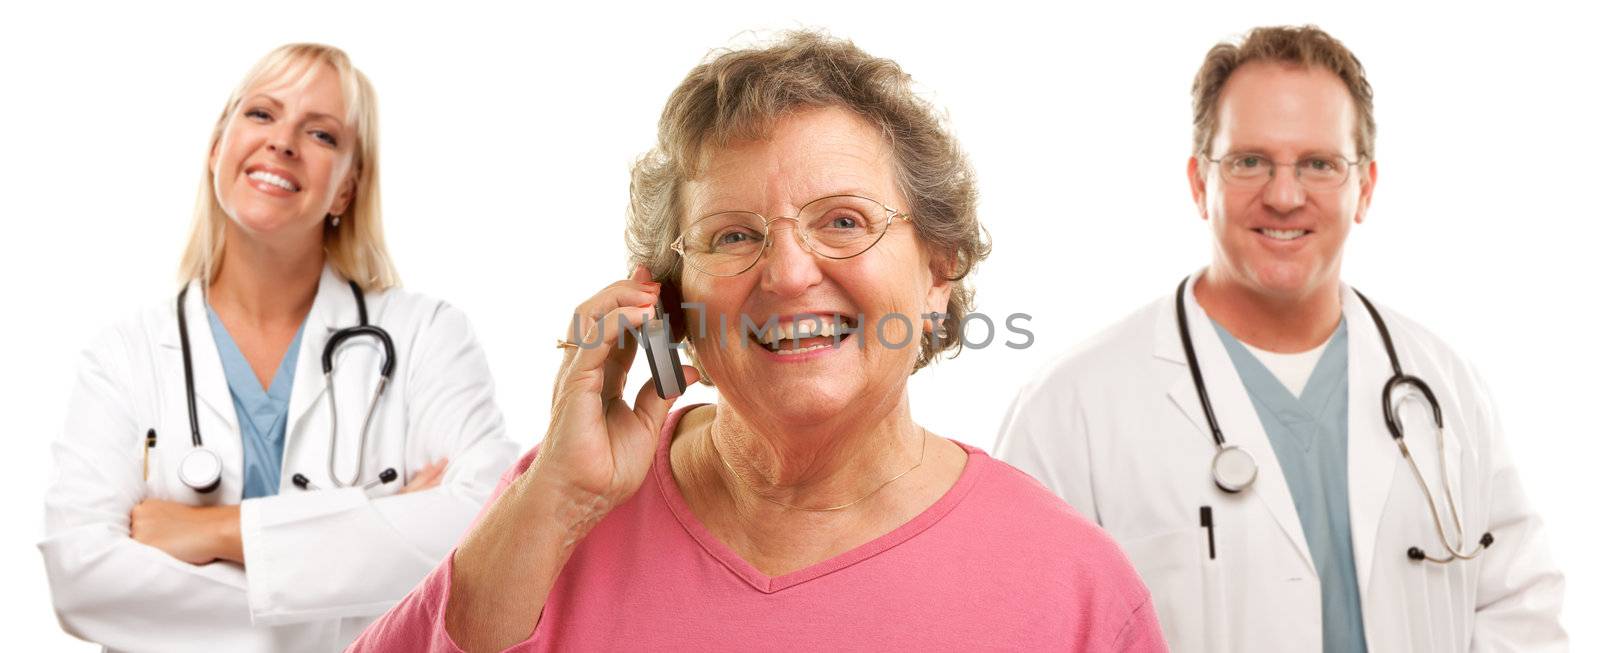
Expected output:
{"points": [[637, 290], [651, 409], [618, 362], [621, 293], [587, 369], [188, 533], [427, 477], [588, 444], [640, 273]]}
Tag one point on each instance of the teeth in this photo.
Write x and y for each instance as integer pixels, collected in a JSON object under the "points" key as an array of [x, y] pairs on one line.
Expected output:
{"points": [[797, 329], [280, 182], [790, 352], [828, 327], [1284, 234], [809, 329]]}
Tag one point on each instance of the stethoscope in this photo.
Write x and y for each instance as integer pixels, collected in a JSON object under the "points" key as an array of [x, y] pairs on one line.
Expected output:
{"points": [[1233, 469], [201, 468]]}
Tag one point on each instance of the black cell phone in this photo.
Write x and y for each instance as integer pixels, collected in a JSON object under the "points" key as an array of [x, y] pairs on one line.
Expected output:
{"points": [[660, 331]]}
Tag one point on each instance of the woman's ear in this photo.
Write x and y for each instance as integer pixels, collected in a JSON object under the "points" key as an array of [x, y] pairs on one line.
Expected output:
{"points": [[347, 192], [211, 159], [937, 299]]}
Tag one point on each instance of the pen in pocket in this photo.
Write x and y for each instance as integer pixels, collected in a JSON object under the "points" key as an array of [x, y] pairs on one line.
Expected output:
{"points": [[149, 443]]}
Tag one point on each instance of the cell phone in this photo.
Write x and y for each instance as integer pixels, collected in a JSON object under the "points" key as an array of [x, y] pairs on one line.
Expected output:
{"points": [[666, 370]]}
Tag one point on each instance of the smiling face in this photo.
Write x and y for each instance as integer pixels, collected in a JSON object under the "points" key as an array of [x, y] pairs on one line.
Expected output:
{"points": [[1281, 240], [809, 155], [284, 158]]}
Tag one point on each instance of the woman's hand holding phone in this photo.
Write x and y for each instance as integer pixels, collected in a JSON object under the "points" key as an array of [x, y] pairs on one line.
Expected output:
{"points": [[593, 458], [599, 445]]}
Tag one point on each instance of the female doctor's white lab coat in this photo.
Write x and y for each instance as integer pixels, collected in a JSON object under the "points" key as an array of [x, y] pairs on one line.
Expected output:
{"points": [[320, 564], [1118, 431]]}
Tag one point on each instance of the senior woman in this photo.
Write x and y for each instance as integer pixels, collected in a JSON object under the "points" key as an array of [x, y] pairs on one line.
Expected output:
{"points": [[806, 509], [274, 458]]}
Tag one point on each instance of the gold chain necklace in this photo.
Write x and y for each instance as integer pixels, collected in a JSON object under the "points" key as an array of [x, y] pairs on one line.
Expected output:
{"points": [[920, 457]]}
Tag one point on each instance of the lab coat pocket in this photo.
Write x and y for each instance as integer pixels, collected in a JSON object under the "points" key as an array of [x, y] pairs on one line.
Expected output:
{"points": [[1170, 564], [151, 468], [1214, 590], [159, 468]]}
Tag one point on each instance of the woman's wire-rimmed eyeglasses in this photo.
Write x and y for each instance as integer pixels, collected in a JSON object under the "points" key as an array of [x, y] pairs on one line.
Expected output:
{"points": [[727, 243]]}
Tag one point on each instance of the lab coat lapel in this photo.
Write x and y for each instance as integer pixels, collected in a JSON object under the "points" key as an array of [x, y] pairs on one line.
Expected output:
{"points": [[1236, 416], [1373, 455], [210, 385], [1375, 461], [329, 307]]}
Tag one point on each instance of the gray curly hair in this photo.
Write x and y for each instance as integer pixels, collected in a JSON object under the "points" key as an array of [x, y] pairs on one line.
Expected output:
{"points": [[739, 94]]}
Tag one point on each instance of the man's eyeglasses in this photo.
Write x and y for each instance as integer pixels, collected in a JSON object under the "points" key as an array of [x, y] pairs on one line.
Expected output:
{"points": [[1316, 173]]}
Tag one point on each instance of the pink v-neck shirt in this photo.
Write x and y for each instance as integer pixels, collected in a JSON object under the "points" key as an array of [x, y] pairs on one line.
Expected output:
{"points": [[998, 563]]}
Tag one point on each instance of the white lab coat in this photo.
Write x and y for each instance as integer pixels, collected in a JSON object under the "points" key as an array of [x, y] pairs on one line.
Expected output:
{"points": [[320, 564], [1117, 430]]}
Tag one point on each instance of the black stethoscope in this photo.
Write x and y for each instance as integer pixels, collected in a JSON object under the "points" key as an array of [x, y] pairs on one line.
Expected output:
{"points": [[1234, 469], [201, 468]]}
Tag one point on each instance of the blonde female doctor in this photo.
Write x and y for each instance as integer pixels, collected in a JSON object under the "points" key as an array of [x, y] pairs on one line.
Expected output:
{"points": [[273, 456]]}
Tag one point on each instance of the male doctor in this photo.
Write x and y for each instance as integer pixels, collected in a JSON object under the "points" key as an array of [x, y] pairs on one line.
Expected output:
{"points": [[1243, 459]]}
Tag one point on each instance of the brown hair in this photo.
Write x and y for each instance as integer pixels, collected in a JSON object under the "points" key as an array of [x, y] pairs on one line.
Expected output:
{"points": [[739, 94], [1306, 46]]}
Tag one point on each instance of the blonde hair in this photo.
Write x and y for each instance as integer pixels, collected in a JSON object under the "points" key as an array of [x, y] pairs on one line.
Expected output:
{"points": [[739, 94], [355, 248]]}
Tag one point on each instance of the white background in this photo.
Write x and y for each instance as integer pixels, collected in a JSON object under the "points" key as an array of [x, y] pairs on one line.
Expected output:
{"points": [[507, 135]]}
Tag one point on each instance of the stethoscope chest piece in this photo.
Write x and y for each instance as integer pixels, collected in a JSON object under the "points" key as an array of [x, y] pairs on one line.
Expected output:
{"points": [[200, 469], [1233, 469]]}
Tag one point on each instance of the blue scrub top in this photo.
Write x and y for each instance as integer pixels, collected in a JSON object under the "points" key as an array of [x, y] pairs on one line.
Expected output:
{"points": [[263, 414], [1310, 435]]}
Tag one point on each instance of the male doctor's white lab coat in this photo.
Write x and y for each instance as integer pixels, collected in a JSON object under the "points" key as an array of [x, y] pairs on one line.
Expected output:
{"points": [[1118, 431]]}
